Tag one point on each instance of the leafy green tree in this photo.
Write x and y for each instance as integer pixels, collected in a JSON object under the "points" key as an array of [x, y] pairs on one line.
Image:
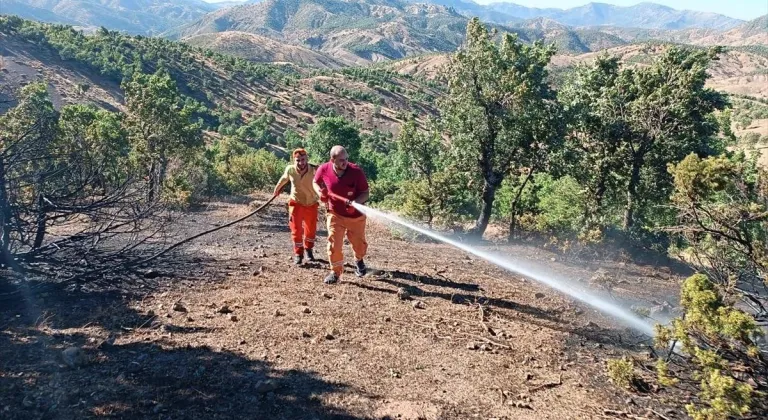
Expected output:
{"points": [[499, 109], [595, 135], [669, 114], [26, 134], [330, 131], [627, 124], [95, 142], [159, 127]]}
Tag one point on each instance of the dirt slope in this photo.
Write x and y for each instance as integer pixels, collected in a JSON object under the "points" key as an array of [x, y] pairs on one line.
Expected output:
{"points": [[292, 347]]}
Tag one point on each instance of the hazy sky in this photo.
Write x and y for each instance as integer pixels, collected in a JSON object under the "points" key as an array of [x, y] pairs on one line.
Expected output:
{"points": [[741, 9]]}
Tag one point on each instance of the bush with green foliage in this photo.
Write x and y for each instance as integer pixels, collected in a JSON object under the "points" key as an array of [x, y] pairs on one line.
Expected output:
{"points": [[621, 372], [331, 131], [241, 168]]}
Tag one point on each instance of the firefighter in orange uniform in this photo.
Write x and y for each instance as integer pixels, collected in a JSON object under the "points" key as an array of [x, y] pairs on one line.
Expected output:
{"points": [[340, 184], [302, 205]]}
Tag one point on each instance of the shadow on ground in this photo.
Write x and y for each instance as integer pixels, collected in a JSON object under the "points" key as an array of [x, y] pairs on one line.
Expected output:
{"points": [[551, 319], [131, 378]]}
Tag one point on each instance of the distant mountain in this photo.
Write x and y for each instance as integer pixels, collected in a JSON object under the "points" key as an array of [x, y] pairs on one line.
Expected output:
{"points": [[471, 9], [754, 32], [27, 11], [146, 17], [566, 38], [643, 15], [363, 31], [262, 49], [352, 31]]}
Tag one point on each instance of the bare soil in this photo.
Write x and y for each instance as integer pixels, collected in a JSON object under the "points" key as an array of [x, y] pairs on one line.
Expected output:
{"points": [[228, 327]]}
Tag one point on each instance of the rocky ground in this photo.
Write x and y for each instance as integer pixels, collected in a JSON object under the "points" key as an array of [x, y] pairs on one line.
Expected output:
{"points": [[229, 328]]}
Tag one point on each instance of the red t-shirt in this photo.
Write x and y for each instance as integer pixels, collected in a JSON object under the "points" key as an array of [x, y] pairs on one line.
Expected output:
{"points": [[349, 186]]}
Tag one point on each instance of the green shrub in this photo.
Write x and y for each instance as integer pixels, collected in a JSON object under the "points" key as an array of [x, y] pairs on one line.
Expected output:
{"points": [[561, 205], [252, 170], [622, 372]]}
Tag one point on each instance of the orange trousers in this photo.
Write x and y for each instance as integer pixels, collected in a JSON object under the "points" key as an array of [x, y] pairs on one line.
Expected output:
{"points": [[303, 222], [354, 228]]}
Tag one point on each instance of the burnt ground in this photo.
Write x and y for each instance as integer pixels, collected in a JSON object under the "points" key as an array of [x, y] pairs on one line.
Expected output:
{"points": [[231, 329]]}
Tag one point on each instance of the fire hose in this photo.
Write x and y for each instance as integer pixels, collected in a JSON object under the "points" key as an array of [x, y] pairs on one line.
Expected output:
{"points": [[193, 237]]}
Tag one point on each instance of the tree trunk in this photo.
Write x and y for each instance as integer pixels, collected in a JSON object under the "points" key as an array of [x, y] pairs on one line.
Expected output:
{"points": [[515, 202], [5, 218], [40, 233], [489, 193], [152, 182], [593, 211], [634, 180]]}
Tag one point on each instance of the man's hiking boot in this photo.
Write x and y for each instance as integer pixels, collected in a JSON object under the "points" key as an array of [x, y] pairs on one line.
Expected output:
{"points": [[310, 255], [360, 269], [297, 259], [331, 278]]}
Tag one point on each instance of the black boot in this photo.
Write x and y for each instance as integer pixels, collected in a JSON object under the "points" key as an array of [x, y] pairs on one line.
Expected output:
{"points": [[310, 255], [360, 269]]}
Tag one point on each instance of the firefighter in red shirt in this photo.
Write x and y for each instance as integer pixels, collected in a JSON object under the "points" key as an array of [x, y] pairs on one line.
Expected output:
{"points": [[339, 183]]}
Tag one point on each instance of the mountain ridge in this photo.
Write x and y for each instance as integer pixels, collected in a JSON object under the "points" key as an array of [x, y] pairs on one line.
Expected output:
{"points": [[645, 15]]}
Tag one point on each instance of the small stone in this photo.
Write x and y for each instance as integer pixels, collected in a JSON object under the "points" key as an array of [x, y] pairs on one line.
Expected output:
{"points": [[484, 347], [528, 376], [326, 295], [277, 313], [74, 357], [387, 319], [179, 307], [417, 304], [150, 313], [151, 274], [269, 385], [110, 341], [305, 334], [190, 319], [242, 342], [224, 310], [306, 311], [233, 318], [471, 346], [403, 294], [539, 295], [659, 310], [629, 401], [304, 304]]}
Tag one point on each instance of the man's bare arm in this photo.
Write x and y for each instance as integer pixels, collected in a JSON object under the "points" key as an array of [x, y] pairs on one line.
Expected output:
{"points": [[362, 198], [279, 186]]}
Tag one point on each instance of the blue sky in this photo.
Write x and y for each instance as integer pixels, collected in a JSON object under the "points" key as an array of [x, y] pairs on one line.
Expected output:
{"points": [[740, 9]]}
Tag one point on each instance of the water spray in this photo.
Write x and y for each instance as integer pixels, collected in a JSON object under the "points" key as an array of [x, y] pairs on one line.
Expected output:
{"points": [[624, 315]]}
